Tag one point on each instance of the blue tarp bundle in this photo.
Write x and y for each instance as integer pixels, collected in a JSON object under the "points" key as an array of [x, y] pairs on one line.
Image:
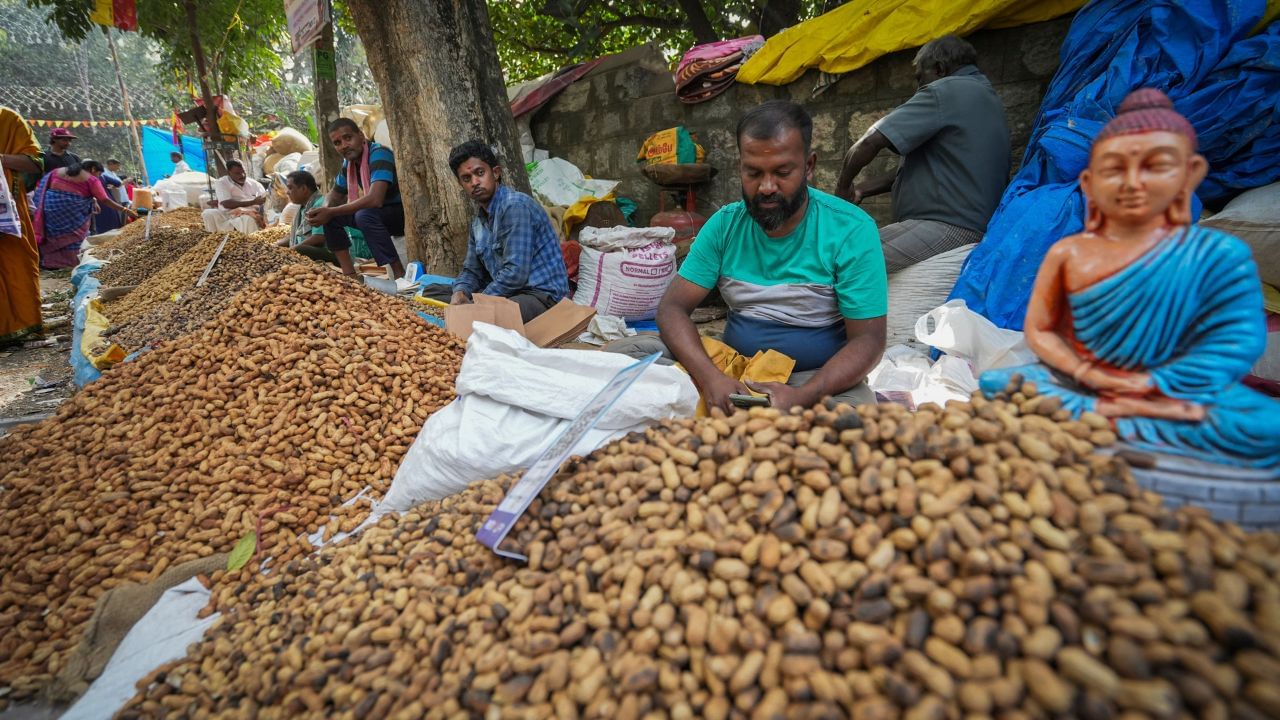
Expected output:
{"points": [[1199, 53], [156, 146], [85, 281]]}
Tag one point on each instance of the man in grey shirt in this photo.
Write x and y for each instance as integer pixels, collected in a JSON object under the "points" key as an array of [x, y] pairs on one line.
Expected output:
{"points": [[954, 142]]}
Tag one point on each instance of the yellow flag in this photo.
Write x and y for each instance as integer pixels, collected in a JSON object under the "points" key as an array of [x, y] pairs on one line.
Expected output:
{"points": [[103, 14]]}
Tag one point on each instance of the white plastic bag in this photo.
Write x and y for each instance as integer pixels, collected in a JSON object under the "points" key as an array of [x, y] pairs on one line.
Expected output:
{"points": [[556, 181], [625, 271], [919, 288], [906, 376], [10, 223], [957, 330], [513, 400]]}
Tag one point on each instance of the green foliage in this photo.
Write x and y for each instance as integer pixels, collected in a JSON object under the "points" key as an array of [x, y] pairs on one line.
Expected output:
{"points": [[535, 37], [241, 39]]}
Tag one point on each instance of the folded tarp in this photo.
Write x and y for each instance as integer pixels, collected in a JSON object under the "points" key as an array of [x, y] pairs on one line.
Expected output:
{"points": [[1199, 53], [856, 33]]}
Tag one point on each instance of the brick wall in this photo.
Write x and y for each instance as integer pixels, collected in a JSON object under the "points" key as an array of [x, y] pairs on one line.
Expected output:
{"points": [[599, 122]]}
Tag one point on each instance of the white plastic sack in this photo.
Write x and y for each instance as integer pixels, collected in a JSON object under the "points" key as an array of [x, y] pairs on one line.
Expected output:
{"points": [[956, 330], [288, 163], [191, 184], [513, 400], [1268, 366], [289, 141], [10, 223], [919, 288], [556, 181], [624, 271], [1254, 217], [162, 635]]}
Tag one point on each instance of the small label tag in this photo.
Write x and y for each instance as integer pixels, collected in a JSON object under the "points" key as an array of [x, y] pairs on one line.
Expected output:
{"points": [[504, 517]]}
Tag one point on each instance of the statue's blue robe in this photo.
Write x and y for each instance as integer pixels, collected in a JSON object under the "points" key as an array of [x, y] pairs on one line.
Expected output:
{"points": [[1189, 312]]}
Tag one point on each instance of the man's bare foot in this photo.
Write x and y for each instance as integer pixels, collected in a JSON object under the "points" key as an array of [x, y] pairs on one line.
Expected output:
{"points": [[1166, 408]]}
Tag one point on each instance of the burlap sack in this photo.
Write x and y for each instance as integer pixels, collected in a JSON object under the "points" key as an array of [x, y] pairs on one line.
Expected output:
{"points": [[115, 614]]}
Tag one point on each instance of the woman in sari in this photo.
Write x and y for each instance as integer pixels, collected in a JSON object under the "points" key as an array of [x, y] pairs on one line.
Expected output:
{"points": [[66, 200], [19, 259]]}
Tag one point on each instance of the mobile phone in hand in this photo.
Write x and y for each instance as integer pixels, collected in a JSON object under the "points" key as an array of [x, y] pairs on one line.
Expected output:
{"points": [[746, 401]]}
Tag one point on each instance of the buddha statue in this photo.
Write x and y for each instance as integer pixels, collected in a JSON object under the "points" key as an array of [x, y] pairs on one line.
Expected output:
{"points": [[1145, 318]]}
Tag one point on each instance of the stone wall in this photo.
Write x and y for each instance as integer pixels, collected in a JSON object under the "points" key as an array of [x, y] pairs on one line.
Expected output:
{"points": [[599, 122]]}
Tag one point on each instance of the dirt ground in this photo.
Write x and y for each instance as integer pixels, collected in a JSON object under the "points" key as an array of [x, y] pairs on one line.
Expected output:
{"points": [[36, 377]]}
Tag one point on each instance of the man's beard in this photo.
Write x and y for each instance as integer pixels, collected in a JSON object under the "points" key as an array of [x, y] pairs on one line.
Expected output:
{"points": [[771, 219]]}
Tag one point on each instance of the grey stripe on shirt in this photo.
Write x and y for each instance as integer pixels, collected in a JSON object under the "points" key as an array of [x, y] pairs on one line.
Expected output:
{"points": [[800, 304]]}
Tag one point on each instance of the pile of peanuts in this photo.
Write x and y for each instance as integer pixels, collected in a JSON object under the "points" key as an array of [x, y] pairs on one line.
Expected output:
{"points": [[271, 235], [169, 304], [133, 233], [142, 261], [978, 560], [305, 389]]}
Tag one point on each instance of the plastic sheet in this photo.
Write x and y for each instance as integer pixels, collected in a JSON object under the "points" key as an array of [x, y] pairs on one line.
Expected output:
{"points": [[1199, 53], [85, 282], [857, 33]]}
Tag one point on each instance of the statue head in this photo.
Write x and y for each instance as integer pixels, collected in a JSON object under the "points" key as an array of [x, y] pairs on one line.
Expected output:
{"points": [[1143, 165]]}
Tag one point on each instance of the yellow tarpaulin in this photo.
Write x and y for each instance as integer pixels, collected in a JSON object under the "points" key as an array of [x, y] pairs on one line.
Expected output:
{"points": [[856, 33]]}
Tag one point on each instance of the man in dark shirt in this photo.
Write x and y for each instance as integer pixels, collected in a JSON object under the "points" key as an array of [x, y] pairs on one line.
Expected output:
{"points": [[954, 142], [59, 154], [365, 195]]}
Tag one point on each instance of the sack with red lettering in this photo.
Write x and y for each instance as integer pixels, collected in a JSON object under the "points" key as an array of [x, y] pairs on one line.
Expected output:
{"points": [[624, 271]]}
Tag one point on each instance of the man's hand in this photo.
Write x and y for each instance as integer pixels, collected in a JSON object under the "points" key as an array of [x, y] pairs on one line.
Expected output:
{"points": [[213, 203], [319, 216], [283, 242], [855, 196], [783, 396], [260, 200], [460, 297], [716, 388]]}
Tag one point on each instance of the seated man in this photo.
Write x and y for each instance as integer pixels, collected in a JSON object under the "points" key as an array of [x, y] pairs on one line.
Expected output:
{"points": [[179, 163], [512, 250], [304, 237], [954, 142], [365, 195], [238, 202], [801, 271]]}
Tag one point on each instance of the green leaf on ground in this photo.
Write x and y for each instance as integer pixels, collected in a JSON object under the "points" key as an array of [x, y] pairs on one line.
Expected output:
{"points": [[243, 550]]}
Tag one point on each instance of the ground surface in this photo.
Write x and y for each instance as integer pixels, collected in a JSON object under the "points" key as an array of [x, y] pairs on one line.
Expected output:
{"points": [[36, 376]]}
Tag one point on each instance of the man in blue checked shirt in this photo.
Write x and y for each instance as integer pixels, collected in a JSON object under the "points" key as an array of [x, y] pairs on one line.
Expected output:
{"points": [[365, 195], [512, 251]]}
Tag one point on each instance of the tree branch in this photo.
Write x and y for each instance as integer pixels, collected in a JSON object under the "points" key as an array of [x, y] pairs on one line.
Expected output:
{"points": [[661, 23], [547, 50], [699, 23]]}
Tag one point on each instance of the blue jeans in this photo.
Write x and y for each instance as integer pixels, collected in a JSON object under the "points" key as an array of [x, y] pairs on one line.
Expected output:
{"points": [[377, 225]]}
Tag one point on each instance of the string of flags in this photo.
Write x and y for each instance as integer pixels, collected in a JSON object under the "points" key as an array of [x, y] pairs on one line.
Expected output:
{"points": [[159, 122]]}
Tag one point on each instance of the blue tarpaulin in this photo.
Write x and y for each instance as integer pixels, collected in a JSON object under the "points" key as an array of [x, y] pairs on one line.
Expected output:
{"points": [[1198, 52], [156, 146]]}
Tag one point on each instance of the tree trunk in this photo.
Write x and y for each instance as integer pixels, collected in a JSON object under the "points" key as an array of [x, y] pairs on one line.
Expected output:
{"points": [[437, 72], [698, 21], [124, 101], [778, 15], [210, 132], [324, 68]]}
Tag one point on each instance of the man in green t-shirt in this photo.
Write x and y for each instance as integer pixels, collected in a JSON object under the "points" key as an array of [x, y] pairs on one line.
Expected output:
{"points": [[308, 239], [801, 271]]}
